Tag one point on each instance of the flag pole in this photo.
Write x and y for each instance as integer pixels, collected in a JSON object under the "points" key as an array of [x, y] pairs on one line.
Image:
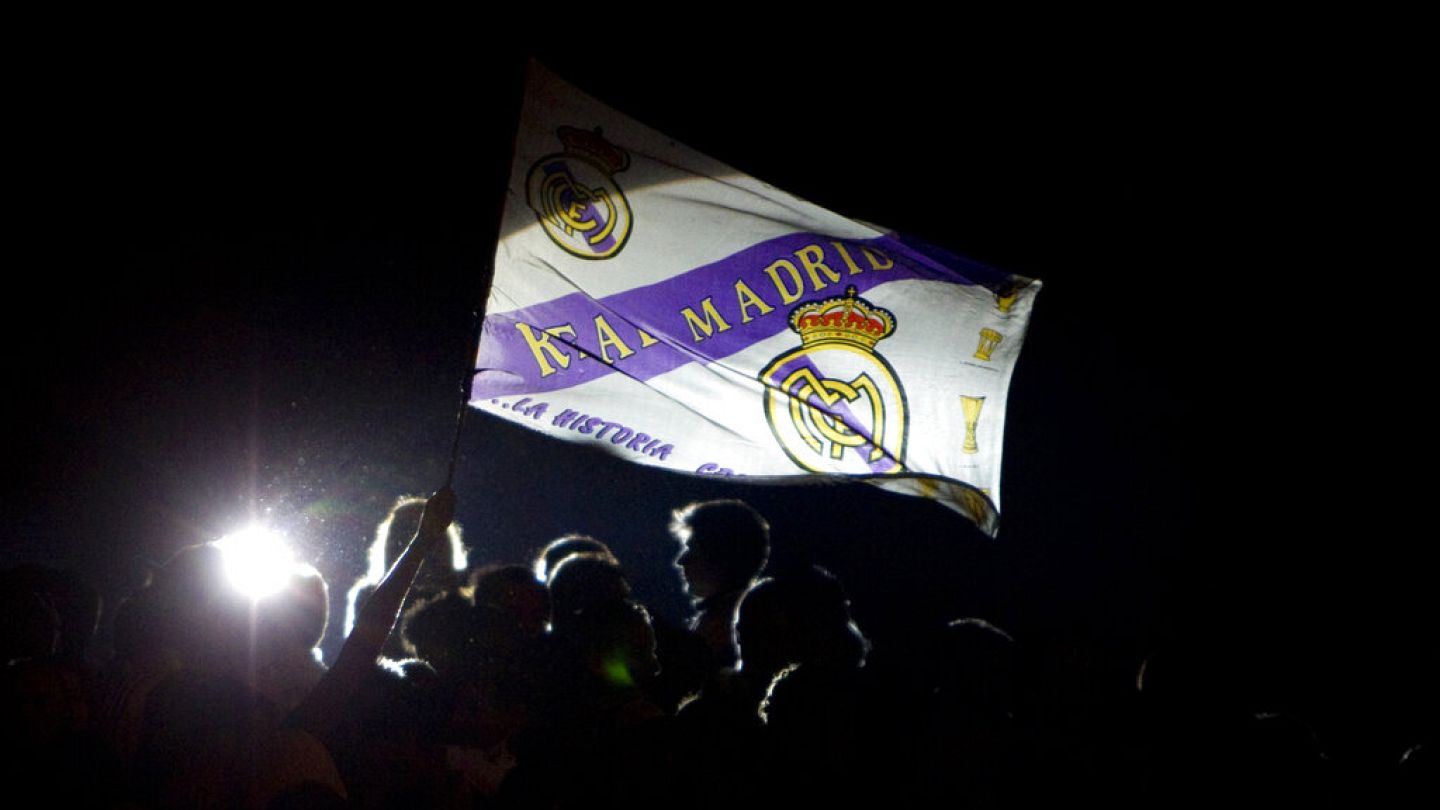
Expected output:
{"points": [[487, 270], [477, 315]]}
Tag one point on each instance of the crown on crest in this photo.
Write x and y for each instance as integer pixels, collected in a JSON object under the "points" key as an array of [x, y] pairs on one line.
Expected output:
{"points": [[593, 145], [846, 319]]}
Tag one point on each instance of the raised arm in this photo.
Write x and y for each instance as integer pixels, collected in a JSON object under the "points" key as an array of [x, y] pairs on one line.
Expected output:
{"points": [[322, 709]]}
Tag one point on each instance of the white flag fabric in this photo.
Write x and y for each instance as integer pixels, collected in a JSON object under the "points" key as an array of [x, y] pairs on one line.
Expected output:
{"points": [[654, 302]]}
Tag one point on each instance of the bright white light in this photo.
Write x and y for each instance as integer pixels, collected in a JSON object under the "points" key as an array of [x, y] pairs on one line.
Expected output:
{"points": [[257, 562]]}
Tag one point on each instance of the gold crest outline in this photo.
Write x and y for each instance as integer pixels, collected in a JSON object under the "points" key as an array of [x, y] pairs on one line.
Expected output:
{"points": [[779, 402], [548, 226]]}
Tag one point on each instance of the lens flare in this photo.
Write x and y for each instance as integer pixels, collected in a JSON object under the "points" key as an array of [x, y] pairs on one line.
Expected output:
{"points": [[257, 561]]}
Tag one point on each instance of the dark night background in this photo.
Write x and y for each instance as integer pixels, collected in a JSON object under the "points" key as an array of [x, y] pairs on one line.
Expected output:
{"points": [[243, 286]]}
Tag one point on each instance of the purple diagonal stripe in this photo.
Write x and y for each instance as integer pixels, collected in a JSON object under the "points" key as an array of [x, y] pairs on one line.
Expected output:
{"points": [[508, 365]]}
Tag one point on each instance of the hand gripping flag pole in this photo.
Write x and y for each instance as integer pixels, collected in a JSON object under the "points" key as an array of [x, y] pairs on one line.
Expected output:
{"points": [[681, 314]]}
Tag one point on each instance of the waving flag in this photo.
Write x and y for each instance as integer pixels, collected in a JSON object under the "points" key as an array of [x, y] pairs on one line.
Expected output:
{"points": [[654, 302]]}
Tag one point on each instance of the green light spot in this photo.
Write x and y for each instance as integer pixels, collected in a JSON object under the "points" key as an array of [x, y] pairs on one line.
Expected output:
{"points": [[616, 672]]}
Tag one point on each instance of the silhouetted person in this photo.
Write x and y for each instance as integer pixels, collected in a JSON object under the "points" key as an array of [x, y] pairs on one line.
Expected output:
{"points": [[724, 546], [1193, 724], [47, 743], [380, 727], [511, 622], [391, 537], [502, 687], [440, 630], [599, 741], [206, 676], [796, 628], [1417, 778], [487, 643], [969, 748], [814, 709], [1281, 763], [977, 667], [287, 638]]}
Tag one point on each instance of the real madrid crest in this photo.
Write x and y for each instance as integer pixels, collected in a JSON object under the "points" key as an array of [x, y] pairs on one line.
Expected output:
{"points": [[576, 198], [834, 404]]}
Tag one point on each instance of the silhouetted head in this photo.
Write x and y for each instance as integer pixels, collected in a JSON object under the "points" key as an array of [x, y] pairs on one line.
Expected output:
{"points": [[976, 664], [615, 642], [561, 547], [197, 607], [394, 534], [509, 600], [724, 545], [801, 617], [583, 582], [440, 630], [1282, 744], [192, 609], [295, 616]]}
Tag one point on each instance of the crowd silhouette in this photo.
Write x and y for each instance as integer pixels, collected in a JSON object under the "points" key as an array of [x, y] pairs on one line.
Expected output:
{"points": [[546, 684]]}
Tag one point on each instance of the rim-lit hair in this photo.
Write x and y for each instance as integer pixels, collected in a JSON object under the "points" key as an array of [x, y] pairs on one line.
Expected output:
{"points": [[732, 510], [557, 550], [739, 535], [377, 563], [376, 558]]}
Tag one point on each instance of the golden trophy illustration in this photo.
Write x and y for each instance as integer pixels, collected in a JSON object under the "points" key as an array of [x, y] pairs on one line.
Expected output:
{"points": [[1008, 291], [970, 407], [989, 339]]}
